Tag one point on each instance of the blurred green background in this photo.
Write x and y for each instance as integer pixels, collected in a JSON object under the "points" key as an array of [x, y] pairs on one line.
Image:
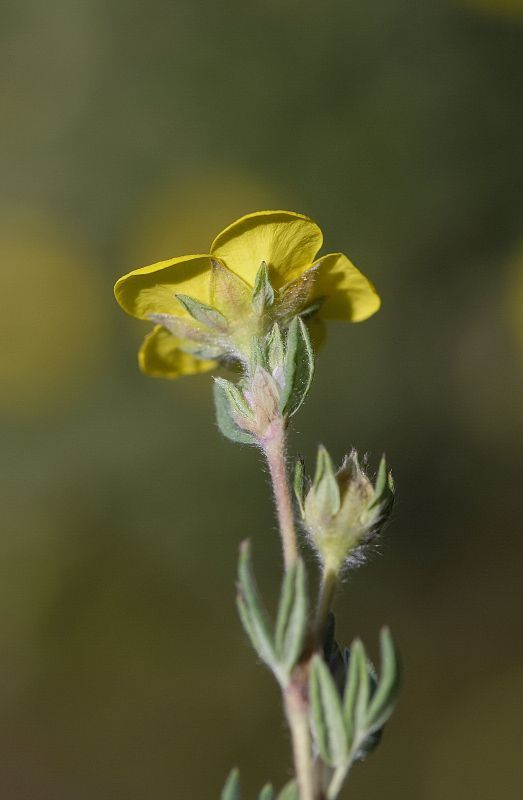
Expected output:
{"points": [[133, 132]]}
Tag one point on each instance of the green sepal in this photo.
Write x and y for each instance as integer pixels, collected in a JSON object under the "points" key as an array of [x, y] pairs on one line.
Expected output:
{"points": [[231, 790], [291, 621], [267, 793], [384, 699], [326, 491], [294, 297], [252, 612], [224, 414], [298, 367], [290, 792], [299, 485], [275, 348], [262, 293], [383, 488], [258, 355], [206, 315], [229, 293], [327, 716]]}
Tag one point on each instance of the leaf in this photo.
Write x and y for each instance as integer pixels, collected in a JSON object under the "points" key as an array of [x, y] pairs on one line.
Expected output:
{"points": [[224, 416], [356, 692], [263, 293], [289, 792], [291, 622], [384, 699], [299, 485], [298, 367], [206, 315], [252, 613], [231, 790], [325, 486], [267, 793], [327, 717]]}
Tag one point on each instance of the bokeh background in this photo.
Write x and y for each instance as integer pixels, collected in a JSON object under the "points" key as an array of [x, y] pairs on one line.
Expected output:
{"points": [[134, 131]]}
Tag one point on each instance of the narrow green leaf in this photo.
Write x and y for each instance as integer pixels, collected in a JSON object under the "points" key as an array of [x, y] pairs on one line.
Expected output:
{"points": [[325, 486], [226, 422], [291, 622], [327, 716], [351, 696], [384, 699], [203, 313], [289, 792], [231, 790], [299, 485], [263, 293], [267, 793], [252, 613], [298, 367], [363, 695]]}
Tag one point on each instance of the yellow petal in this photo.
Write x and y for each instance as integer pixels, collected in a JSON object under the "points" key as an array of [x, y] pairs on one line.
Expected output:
{"points": [[350, 296], [160, 357], [152, 289], [286, 241]]}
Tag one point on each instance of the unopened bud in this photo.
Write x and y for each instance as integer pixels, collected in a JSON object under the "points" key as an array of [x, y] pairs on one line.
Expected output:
{"points": [[343, 511]]}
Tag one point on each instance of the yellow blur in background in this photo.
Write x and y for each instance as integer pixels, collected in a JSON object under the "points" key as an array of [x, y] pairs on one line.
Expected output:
{"points": [[132, 132]]}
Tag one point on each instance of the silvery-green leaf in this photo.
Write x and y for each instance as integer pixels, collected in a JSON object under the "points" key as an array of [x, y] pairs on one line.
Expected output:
{"points": [[298, 367], [275, 349], [382, 703], [325, 486], [356, 694], [327, 716], [226, 422], [206, 315], [252, 612], [289, 792], [267, 793], [263, 293], [231, 790], [291, 622], [299, 485]]}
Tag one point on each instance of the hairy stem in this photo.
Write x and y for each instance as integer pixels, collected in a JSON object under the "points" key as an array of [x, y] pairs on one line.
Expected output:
{"points": [[296, 707], [295, 695], [274, 449]]}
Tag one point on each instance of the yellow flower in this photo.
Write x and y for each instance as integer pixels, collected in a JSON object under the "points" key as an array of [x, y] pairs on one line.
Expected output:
{"points": [[204, 305]]}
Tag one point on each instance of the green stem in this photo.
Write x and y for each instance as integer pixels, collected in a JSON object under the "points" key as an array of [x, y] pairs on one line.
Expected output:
{"points": [[337, 782]]}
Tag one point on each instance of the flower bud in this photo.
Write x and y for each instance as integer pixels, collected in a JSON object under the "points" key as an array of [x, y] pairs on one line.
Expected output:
{"points": [[343, 511]]}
